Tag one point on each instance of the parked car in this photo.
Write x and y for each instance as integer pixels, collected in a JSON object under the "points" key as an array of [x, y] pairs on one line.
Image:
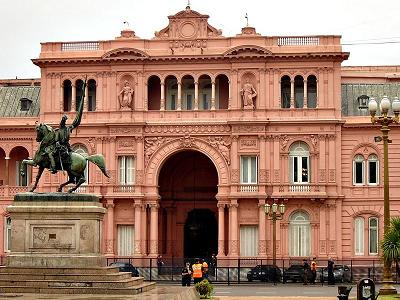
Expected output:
{"points": [[295, 273], [126, 267], [264, 273], [341, 273]]}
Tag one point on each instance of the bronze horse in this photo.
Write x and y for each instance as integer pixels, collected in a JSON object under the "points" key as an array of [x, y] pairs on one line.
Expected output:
{"points": [[75, 170]]}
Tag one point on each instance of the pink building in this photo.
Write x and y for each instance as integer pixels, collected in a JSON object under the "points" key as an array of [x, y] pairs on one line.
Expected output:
{"points": [[199, 131]]}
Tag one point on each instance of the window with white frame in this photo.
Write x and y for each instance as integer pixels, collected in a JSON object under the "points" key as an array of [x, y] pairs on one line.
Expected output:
{"points": [[248, 240], [126, 170], [373, 235], [126, 240], [299, 234], [7, 234], [373, 170], [299, 163], [358, 170], [80, 149], [248, 166], [359, 236]]}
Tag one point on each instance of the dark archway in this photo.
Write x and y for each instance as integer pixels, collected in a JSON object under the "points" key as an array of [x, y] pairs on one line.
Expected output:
{"points": [[188, 183], [200, 237]]}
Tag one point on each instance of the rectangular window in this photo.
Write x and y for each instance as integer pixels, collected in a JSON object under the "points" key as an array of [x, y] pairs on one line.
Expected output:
{"points": [[248, 240], [300, 169], [373, 172], [248, 172], [126, 170], [358, 171], [373, 236], [126, 240], [189, 102], [359, 236]]}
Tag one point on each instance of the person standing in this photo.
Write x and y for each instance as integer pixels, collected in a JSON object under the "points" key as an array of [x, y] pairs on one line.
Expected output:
{"points": [[314, 270], [306, 268], [197, 272], [331, 277], [204, 269], [186, 275]]}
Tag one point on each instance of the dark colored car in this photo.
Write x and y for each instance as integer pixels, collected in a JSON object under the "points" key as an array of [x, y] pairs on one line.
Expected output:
{"points": [[341, 273], [264, 273], [295, 273], [126, 267]]}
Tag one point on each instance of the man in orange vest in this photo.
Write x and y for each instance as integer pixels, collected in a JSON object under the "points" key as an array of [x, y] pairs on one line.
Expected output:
{"points": [[197, 272]]}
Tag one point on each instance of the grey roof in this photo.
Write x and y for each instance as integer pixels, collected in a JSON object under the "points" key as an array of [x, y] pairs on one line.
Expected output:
{"points": [[351, 91], [10, 105]]}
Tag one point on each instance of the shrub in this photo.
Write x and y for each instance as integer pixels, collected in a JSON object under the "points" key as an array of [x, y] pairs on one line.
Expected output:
{"points": [[204, 288]]}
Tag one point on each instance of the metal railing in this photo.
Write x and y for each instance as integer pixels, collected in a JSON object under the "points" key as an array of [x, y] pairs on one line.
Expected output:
{"points": [[298, 41], [80, 46]]}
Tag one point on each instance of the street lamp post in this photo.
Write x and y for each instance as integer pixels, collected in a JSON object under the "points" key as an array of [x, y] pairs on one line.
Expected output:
{"points": [[274, 214], [384, 120]]}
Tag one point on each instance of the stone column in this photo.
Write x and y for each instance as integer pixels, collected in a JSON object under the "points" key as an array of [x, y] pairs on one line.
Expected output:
{"points": [[213, 95], [305, 95], [73, 97], [179, 104], [291, 93], [110, 227], [233, 227], [162, 100], [7, 158], [154, 229], [138, 228], [221, 229], [144, 229], [86, 105], [262, 244], [196, 95]]}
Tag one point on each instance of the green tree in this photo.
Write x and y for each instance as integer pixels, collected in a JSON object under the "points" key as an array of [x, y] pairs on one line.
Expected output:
{"points": [[391, 242]]}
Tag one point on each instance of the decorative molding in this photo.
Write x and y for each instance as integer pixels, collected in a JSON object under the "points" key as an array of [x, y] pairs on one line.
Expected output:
{"points": [[248, 143], [187, 142], [139, 177], [248, 128], [187, 129], [235, 175], [322, 175], [223, 145], [125, 130], [332, 175], [264, 176]]}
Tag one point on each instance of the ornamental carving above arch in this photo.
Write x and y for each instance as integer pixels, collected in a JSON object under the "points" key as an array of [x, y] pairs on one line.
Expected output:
{"points": [[311, 140], [158, 149]]}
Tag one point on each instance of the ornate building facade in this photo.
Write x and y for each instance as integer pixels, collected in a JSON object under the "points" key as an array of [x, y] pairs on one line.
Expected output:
{"points": [[200, 131]]}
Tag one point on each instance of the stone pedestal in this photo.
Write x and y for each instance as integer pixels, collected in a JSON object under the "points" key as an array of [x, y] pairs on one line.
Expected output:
{"points": [[56, 230]]}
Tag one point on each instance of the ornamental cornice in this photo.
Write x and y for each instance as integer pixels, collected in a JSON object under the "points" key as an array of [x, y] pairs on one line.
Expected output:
{"points": [[187, 129]]}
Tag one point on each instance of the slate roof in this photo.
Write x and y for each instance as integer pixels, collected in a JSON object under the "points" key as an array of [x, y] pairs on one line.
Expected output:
{"points": [[10, 105]]}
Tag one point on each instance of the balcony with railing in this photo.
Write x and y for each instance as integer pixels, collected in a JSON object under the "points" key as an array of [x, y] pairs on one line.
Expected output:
{"points": [[299, 190], [7, 191]]}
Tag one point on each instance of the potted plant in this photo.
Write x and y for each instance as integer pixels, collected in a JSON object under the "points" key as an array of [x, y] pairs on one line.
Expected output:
{"points": [[204, 288]]}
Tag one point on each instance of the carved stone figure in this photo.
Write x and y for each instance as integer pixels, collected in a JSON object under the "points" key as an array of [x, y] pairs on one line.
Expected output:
{"points": [[125, 96], [248, 93], [55, 152]]}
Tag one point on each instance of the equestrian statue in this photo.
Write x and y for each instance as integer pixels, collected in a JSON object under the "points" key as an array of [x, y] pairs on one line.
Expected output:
{"points": [[55, 152]]}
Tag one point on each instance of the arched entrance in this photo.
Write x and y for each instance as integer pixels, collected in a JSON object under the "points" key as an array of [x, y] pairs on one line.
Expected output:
{"points": [[188, 183], [200, 238]]}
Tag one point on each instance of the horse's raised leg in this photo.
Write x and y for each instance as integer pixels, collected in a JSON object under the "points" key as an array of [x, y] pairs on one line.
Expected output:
{"points": [[79, 183], [39, 174]]}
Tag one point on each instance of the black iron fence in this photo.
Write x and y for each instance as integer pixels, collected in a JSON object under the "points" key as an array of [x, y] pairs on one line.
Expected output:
{"points": [[236, 271]]}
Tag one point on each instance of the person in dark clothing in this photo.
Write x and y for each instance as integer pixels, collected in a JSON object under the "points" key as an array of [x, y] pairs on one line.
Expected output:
{"points": [[306, 268], [331, 277], [186, 275]]}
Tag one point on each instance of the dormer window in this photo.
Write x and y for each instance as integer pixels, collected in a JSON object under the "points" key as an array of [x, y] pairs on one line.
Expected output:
{"points": [[25, 104], [363, 102]]}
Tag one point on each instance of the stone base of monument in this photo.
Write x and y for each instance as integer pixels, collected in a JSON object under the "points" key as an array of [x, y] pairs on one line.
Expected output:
{"points": [[56, 248]]}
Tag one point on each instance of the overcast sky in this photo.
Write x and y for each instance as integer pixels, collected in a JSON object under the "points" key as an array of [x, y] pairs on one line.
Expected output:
{"points": [[24, 24]]}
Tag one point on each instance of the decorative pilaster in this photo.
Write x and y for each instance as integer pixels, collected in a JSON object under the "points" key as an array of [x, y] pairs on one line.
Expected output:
{"points": [[233, 226], [221, 229], [110, 227], [213, 95], [162, 100], [305, 95], [154, 228], [179, 104], [138, 221], [262, 244], [196, 95], [291, 93], [73, 98]]}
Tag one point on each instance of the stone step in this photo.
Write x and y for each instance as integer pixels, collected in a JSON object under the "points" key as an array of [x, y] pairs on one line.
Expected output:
{"points": [[145, 286], [47, 271], [127, 283], [67, 277]]}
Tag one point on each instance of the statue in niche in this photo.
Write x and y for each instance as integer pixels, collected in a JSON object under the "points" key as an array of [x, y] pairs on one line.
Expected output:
{"points": [[125, 96], [248, 93]]}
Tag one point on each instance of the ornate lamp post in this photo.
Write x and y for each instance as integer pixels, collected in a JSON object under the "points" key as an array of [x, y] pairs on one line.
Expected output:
{"points": [[384, 120], [274, 214]]}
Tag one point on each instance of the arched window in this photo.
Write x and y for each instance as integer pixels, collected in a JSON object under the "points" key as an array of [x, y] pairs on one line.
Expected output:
{"points": [[285, 91], [373, 170], [299, 163], [67, 95], [373, 236], [171, 87], [358, 170], [359, 236], [311, 91], [204, 92], [187, 92], [299, 234], [91, 97], [80, 149], [154, 93], [79, 92], [298, 91], [222, 92]]}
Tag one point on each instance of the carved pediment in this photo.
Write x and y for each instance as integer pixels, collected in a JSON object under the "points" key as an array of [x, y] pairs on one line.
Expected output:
{"points": [[247, 50], [188, 24], [125, 53]]}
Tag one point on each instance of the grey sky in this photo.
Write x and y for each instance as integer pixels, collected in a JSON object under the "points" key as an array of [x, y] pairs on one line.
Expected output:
{"points": [[26, 23]]}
